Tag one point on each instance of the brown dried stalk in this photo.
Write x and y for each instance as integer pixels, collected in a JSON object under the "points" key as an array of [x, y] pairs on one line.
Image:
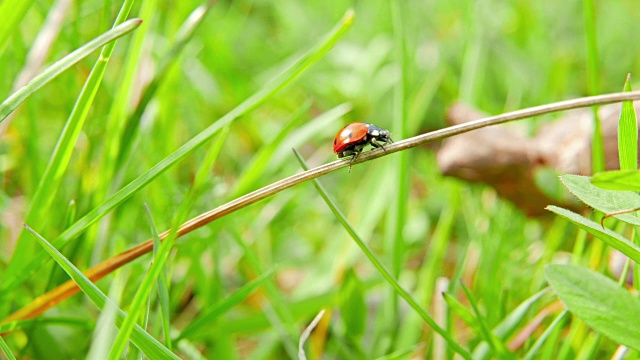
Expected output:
{"points": [[64, 291]]}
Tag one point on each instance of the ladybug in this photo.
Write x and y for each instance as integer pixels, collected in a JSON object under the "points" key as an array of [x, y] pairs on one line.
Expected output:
{"points": [[351, 140]]}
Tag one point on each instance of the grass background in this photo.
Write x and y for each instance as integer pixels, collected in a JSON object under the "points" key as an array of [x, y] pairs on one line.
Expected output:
{"points": [[497, 56]]}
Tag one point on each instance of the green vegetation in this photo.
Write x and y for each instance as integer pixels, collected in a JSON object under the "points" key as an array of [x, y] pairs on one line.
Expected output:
{"points": [[116, 144]]}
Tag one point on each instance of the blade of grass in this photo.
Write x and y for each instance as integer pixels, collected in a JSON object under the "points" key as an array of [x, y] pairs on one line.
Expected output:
{"points": [[105, 331], [386, 274], [494, 342], [15, 278], [400, 119], [162, 254], [163, 283], [132, 123], [432, 265], [12, 13], [598, 160], [506, 326], [394, 244], [141, 338], [609, 237], [628, 133], [282, 320], [64, 291], [260, 160], [209, 315], [538, 344], [402, 354], [52, 177], [39, 51], [6, 350], [115, 123], [12, 102]]}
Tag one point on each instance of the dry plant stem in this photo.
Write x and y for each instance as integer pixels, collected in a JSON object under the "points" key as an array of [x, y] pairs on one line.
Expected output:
{"points": [[55, 296]]}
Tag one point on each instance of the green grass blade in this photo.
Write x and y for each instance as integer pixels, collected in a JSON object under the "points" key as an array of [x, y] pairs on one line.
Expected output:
{"points": [[386, 274], [132, 123], [162, 255], [395, 246], [625, 180], [432, 266], [400, 119], [282, 319], [260, 161], [53, 175], [628, 133], [598, 160], [141, 338], [273, 155], [12, 102], [105, 332], [506, 327], [593, 62], [494, 342], [611, 238], [209, 315], [5, 349], [120, 106], [540, 341], [163, 284], [12, 13], [402, 354], [296, 69]]}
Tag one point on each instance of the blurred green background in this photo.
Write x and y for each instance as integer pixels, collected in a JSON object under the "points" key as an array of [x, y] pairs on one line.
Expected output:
{"points": [[497, 56]]}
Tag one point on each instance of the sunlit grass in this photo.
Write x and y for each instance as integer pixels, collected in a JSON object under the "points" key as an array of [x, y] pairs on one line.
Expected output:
{"points": [[247, 285]]}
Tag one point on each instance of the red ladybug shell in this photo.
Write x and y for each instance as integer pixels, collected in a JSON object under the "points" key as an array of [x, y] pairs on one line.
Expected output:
{"points": [[350, 134]]}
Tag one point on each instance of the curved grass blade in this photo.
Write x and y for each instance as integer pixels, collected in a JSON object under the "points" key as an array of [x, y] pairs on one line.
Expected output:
{"points": [[162, 254], [12, 102], [141, 338], [117, 114], [547, 332], [52, 177], [163, 283], [208, 316], [506, 326], [494, 342], [260, 161], [296, 69], [628, 133], [130, 127], [12, 13], [611, 238], [5, 349], [403, 353], [280, 316], [40, 49], [386, 274], [395, 245], [593, 71]]}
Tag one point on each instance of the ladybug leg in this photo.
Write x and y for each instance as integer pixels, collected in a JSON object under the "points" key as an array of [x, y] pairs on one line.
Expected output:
{"points": [[356, 153], [375, 144]]}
